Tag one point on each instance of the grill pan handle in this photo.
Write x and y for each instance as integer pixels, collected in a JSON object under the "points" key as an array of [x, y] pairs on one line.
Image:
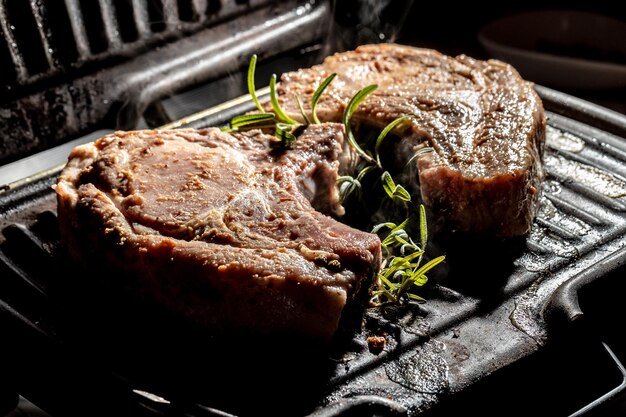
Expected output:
{"points": [[564, 307], [566, 316]]}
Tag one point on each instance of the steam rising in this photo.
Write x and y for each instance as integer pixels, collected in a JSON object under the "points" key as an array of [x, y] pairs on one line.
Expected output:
{"points": [[366, 21]]}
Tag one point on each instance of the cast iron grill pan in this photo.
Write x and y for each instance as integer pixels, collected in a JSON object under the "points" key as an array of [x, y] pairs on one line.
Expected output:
{"points": [[498, 307]]}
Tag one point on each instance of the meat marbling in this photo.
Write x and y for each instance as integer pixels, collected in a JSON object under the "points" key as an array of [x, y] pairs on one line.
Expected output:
{"points": [[484, 122], [221, 227]]}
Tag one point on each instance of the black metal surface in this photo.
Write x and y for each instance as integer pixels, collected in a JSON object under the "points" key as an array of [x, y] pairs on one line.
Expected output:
{"points": [[47, 38], [109, 70], [499, 312]]}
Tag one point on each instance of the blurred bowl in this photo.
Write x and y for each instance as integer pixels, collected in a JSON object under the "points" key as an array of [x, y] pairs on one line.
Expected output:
{"points": [[561, 49]]}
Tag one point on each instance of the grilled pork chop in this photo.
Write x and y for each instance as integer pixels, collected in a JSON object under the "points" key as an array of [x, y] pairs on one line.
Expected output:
{"points": [[484, 122], [220, 227]]}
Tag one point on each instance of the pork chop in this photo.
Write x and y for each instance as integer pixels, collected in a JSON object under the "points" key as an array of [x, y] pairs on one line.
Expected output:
{"points": [[220, 227]]}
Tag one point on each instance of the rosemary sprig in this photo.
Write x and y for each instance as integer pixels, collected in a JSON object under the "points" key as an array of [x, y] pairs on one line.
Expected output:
{"points": [[423, 227], [279, 121], [418, 153], [348, 185], [402, 268], [403, 271], [283, 132], [251, 120]]}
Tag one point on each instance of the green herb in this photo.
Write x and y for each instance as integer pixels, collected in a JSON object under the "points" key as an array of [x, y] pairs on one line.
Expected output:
{"points": [[283, 133], [251, 88], [400, 273], [347, 115], [347, 186], [302, 112], [384, 134], [279, 121], [423, 227], [402, 270], [418, 153], [318, 94], [397, 235], [280, 114], [393, 190], [248, 120]]}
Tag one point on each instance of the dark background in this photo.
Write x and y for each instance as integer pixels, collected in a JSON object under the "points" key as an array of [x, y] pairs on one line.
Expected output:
{"points": [[453, 28]]}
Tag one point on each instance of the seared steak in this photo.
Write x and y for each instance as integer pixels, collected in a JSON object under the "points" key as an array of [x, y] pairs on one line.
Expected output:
{"points": [[484, 122], [220, 227]]}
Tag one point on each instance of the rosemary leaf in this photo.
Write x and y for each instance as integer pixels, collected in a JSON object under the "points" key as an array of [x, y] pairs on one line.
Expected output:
{"points": [[318, 93], [364, 171], [284, 135], [347, 115], [250, 119], [280, 114], [269, 126], [418, 153], [393, 190], [399, 236], [347, 186], [251, 88], [427, 267], [387, 282], [394, 269], [423, 227], [384, 134], [415, 297], [401, 193], [409, 247], [420, 281], [402, 225], [411, 257], [304, 116], [399, 274], [388, 184], [388, 225]]}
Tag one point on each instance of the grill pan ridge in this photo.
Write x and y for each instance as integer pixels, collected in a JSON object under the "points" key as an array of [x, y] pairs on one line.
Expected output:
{"points": [[473, 325]]}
